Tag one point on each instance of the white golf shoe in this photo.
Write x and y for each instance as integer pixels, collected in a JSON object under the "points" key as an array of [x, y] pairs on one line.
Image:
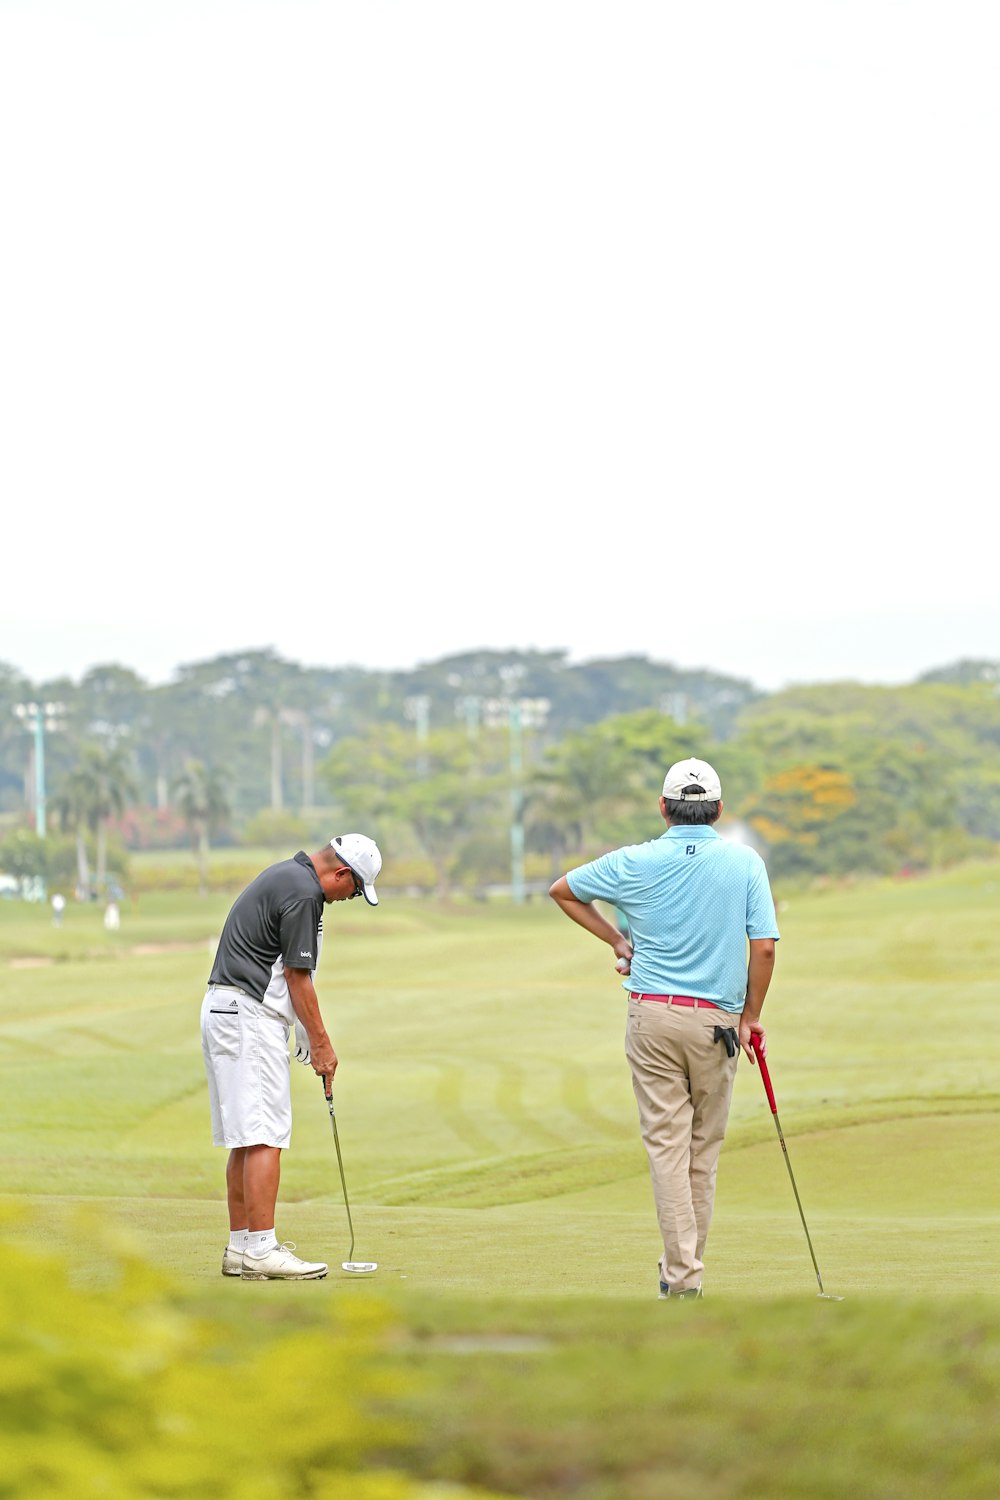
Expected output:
{"points": [[692, 1293], [280, 1264], [232, 1262]]}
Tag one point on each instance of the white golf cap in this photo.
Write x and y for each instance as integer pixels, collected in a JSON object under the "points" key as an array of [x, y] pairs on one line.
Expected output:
{"points": [[692, 773], [361, 855]]}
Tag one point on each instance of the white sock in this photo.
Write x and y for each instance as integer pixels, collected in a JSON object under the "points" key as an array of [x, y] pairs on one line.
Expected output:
{"points": [[260, 1241], [238, 1239]]}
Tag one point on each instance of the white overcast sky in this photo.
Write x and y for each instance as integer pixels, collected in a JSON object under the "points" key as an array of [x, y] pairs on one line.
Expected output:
{"points": [[377, 331]]}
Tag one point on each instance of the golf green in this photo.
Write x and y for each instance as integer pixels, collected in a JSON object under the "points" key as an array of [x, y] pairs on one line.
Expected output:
{"points": [[496, 1176], [484, 1105]]}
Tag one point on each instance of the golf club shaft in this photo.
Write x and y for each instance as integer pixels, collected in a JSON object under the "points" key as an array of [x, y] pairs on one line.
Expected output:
{"points": [[340, 1164], [765, 1075]]}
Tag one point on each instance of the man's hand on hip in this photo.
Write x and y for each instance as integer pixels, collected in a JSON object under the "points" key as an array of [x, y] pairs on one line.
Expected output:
{"points": [[623, 954]]}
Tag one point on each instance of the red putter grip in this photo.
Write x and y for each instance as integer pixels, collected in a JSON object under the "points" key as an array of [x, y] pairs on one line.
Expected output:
{"points": [[755, 1044]]}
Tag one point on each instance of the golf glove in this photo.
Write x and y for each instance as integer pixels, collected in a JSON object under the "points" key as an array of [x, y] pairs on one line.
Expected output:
{"points": [[302, 1050], [727, 1036]]}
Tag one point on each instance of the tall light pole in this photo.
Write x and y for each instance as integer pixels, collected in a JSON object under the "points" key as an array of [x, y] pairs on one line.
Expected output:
{"points": [[521, 714], [469, 708], [516, 806], [418, 708], [674, 705], [36, 718]]}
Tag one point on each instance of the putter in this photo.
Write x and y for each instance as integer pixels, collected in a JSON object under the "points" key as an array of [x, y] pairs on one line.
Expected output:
{"points": [[765, 1075], [358, 1267]]}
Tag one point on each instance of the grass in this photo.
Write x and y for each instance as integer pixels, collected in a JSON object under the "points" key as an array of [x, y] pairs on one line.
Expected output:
{"points": [[785, 1400], [495, 1172]]}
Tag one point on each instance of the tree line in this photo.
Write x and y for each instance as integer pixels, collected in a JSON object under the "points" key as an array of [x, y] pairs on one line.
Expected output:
{"points": [[461, 764]]}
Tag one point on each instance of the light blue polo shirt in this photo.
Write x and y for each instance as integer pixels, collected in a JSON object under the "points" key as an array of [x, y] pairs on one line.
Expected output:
{"points": [[692, 899]]}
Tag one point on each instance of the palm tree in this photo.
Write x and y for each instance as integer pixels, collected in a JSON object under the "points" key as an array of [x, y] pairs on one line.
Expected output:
{"points": [[274, 717], [583, 782], [97, 789], [299, 719], [200, 793], [278, 691], [115, 788], [71, 806], [278, 718]]}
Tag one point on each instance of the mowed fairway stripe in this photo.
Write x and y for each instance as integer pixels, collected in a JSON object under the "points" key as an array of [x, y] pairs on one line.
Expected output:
{"points": [[486, 1114]]}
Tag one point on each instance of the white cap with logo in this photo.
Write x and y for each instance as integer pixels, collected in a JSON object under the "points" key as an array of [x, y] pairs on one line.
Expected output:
{"points": [[686, 774], [360, 854]]}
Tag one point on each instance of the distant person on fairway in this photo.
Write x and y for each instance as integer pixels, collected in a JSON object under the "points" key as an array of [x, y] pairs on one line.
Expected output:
{"points": [[260, 985], [692, 902]]}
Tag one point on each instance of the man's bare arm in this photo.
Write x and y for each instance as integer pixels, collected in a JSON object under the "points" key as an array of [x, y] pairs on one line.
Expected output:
{"points": [[305, 1003], [585, 914], [759, 973]]}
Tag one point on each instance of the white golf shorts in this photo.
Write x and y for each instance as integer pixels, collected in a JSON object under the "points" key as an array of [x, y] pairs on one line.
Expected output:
{"points": [[246, 1059]]}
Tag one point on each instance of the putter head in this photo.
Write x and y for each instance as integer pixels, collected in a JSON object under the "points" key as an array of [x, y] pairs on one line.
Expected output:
{"points": [[359, 1267], [828, 1297]]}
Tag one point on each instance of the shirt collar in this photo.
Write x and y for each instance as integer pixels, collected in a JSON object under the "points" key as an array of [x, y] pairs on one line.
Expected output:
{"points": [[689, 831], [302, 858]]}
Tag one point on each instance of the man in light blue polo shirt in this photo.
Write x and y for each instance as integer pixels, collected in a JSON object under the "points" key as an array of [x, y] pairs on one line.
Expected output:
{"points": [[699, 957]]}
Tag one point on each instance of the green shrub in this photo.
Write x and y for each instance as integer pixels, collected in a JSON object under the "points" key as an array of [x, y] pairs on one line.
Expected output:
{"points": [[62, 865], [119, 1391], [23, 853], [230, 874], [407, 874], [277, 830]]}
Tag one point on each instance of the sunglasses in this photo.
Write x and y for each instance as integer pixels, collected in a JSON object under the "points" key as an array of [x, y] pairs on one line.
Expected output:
{"points": [[359, 886]]}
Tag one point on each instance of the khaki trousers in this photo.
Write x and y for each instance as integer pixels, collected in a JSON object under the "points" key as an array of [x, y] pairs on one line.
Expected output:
{"points": [[683, 1084]]}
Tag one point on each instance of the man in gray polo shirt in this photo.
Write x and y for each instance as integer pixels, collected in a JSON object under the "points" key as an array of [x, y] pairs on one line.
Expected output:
{"points": [[699, 958], [261, 985]]}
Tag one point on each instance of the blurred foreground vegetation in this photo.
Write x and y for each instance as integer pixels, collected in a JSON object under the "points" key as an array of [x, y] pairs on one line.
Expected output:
{"points": [[132, 1389], [123, 1391]]}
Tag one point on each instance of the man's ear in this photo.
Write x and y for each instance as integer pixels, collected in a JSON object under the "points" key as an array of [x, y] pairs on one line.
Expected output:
{"points": [[663, 810]]}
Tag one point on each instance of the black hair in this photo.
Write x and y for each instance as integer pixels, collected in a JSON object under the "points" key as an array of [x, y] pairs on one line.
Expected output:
{"points": [[691, 810]]}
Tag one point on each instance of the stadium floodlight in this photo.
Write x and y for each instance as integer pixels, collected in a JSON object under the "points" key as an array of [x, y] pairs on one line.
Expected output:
{"points": [[36, 719]]}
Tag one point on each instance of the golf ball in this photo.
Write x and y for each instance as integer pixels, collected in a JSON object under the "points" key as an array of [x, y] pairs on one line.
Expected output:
{"points": [[623, 966]]}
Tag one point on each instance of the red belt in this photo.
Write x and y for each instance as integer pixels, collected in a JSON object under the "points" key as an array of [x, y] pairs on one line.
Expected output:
{"points": [[692, 1000]]}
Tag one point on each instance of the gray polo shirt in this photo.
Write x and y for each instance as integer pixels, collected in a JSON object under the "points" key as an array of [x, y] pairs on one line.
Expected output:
{"points": [[279, 915]]}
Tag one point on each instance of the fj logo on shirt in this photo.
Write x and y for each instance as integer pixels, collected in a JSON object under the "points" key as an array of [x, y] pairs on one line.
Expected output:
{"points": [[691, 849]]}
